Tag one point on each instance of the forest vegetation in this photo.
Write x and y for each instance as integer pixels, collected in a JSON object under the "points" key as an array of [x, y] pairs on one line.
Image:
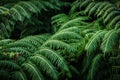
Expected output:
{"points": [[59, 40]]}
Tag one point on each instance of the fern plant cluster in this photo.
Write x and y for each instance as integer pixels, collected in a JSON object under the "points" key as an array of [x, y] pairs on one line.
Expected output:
{"points": [[100, 31], [22, 17], [83, 44]]}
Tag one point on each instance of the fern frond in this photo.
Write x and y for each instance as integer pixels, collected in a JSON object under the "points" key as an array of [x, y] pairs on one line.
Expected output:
{"points": [[104, 9], [73, 29], [101, 7], [117, 26], [77, 14], [32, 71], [96, 66], [48, 4], [16, 15], [111, 16], [36, 41], [18, 50], [108, 11], [94, 41], [74, 8], [65, 35], [57, 44], [54, 57], [9, 65], [23, 11], [114, 60], [85, 3], [3, 30], [45, 65], [114, 21], [5, 42], [74, 22], [40, 5], [18, 76], [28, 6], [23, 45], [59, 20], [109, 41], [94, 8], [92, 4], [3, 10]]}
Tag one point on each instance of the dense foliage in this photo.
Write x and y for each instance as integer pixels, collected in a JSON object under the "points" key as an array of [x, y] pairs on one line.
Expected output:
{"points": [[59, 40]]}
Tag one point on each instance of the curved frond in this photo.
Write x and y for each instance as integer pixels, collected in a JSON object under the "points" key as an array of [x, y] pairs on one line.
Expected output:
{"points": [[85, 3], [108, 11], [44, 65], [19, 50], [74, 22], [94, 41], [114, 21], [104, 9], [92, 4], [57, 44], [9, 65], [54, 57], [18, 76], [16, 15], [74, 8], [5, 42], [111, 15], [22, 44], [101, 7], [32, 71], [96, 65], [94, 8], [22, 10], [65, 35], [109, 41]]}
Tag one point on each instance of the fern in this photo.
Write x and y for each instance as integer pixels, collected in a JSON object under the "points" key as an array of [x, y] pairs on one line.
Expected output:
{"points": [[18, 76], [114, 21], [44, 65], [56, 44], [94, 8], [101, 7], [85, 3], [108, 11], [9, 65], [111, 15], [73, 22], [103, 10], [81, 42], [65, 35], [93, 43], [108, 41], [92, 4], [96, 66], [33, 71], [53, 57]]}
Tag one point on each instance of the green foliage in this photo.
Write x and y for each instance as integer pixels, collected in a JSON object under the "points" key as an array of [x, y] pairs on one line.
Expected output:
{"points": [[82, 44]]}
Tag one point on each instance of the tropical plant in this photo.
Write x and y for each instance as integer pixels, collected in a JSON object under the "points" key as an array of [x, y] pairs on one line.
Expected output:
{"points": [[82, 44]]}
